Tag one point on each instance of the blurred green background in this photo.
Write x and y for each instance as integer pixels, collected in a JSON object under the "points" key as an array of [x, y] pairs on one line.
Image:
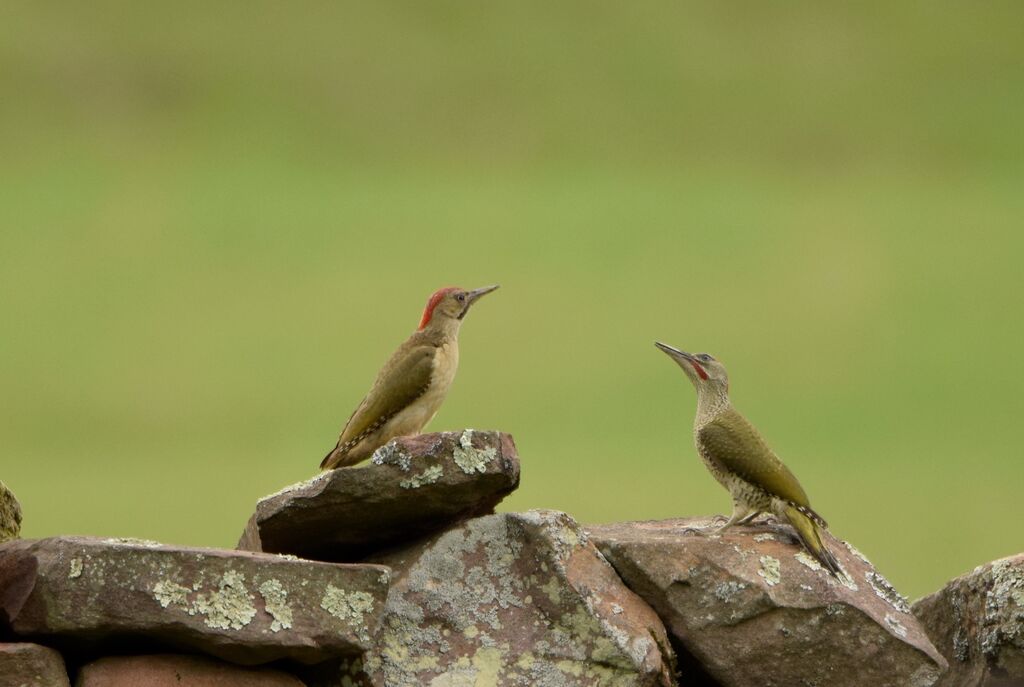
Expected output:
{"points": [[219, 219]]}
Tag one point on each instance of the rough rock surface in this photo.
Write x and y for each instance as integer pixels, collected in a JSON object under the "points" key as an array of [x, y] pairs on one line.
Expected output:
{"points": [[977, 622], [753, 609], [513, 599], [243, 607], [413, 486], [171, 670], [31, 665], [10, 514]]}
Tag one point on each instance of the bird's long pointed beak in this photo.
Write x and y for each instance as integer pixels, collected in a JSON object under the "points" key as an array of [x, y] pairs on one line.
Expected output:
{"points": [[673, 352], [475, 294]]}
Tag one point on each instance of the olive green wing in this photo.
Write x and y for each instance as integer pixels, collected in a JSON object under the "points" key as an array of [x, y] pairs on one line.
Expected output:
{"points": [[737, 446], [403, 379]]}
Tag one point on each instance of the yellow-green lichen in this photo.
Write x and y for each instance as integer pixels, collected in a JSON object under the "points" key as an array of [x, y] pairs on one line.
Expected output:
{"points": [[169, 593], [275, 599], [488, 662], [428, 476], [552, 590], [770, 570], [808, 560], [75, 568], [347, 606], [471, 459], [230, 606]]}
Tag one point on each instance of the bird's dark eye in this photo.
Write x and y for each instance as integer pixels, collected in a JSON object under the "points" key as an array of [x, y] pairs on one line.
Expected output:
{"points": [[704, 357], [460, 297]]}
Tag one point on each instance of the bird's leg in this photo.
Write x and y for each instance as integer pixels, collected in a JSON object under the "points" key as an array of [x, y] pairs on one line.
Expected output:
{"points": [[749, 518], [739, 513]]}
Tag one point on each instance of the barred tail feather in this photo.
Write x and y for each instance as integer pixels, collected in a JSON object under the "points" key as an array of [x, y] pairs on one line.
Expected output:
{"points": [[810, 536]]}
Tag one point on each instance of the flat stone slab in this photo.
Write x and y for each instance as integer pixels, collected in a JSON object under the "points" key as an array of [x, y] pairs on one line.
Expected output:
{"points": [[31, 665], [413, 486], [752, 608], [170, 670], [515, 599], [977, 622], [84, 593]]}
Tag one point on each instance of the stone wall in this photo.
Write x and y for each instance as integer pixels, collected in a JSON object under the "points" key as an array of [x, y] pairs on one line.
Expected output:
{"points": [[399, 573]]}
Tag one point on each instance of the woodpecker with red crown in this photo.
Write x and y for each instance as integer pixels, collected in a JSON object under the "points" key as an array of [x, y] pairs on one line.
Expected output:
{"points": [[413, 383]]}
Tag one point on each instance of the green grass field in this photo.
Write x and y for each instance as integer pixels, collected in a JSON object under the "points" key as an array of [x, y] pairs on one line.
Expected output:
{"points": [[216, 224]]}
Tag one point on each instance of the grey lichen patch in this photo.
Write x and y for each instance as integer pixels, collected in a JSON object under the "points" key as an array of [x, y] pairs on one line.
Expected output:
{"points": [[230, 606], [896, 625], [169, 593], [853, 549], [848, 582], [275, 600], [428, 476], [297, 486], [75, 568], [764, 537], [347, 606], [1003, 620], [471, 459], [770, 570], [132, 541], [726, 591], [491, 603], [10, 514], [390, 454], [886, 591]]}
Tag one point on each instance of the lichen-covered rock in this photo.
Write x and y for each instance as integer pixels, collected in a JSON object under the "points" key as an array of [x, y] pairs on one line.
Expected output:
{"points": [[175, 670], [10, 514], [513, 599], [413, 486], [243, 607], [753, 608], [31, 665], [977, 622]]}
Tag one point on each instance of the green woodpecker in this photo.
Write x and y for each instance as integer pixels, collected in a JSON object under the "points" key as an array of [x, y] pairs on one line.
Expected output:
{"points": [[739, 458], [413, 383]]}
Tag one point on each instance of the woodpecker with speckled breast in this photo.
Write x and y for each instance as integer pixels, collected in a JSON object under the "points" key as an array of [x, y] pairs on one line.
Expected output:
{"points": [[413, 383], [738, 457]]}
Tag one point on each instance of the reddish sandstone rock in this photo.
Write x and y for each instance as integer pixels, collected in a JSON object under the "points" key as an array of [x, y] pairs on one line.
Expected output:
{"points": [[171, 670], [31, 665], [516, 599], [412, 486], [247, 608], [754, 609], [977, 622]]}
